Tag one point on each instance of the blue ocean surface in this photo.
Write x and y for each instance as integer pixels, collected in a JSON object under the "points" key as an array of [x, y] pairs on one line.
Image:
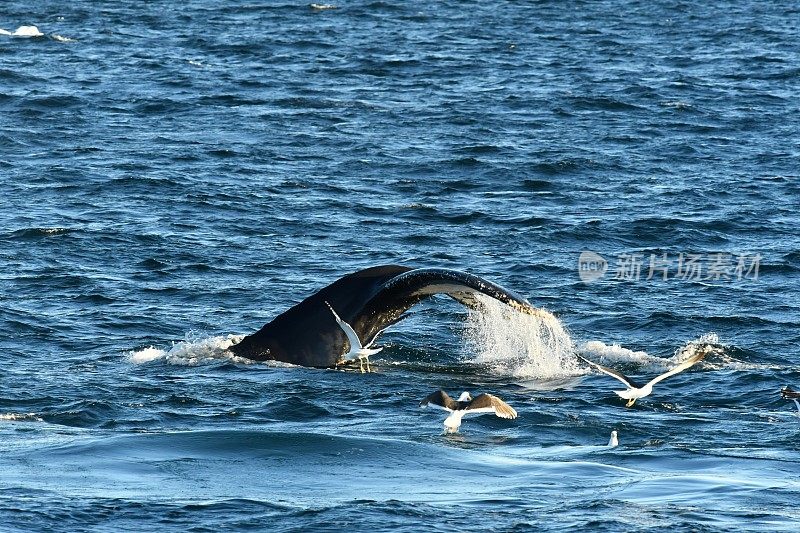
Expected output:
{"points": [[176, 174]]}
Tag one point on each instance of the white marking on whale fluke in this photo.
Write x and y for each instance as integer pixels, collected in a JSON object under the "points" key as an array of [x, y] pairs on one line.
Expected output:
{"points": [[357, 351]]}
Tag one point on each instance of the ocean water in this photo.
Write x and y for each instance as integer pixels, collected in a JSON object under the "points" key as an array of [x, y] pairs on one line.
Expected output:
{"points": [[173, 176]]}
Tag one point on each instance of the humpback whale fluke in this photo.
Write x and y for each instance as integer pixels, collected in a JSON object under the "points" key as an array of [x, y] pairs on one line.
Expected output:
{"points": [[369, 300]]}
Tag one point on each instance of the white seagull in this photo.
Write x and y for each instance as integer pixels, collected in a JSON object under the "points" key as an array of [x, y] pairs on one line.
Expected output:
{"points": [[467, 405], [634, 392], [357, 351], [613, 442], [788, 393]]}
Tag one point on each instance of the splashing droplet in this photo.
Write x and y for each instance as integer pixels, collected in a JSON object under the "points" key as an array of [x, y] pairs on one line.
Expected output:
{"points": [[520, 345], [194, 350]]}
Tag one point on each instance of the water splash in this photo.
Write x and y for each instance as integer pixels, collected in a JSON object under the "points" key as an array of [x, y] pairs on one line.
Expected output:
{"points": [[194, 350], [520, 345], [615, 355], [21, 417], [598, 350], [23, 31], [708, 343]]}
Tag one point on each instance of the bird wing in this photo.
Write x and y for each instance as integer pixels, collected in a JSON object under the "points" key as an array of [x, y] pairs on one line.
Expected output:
{"points": [[352, 338], [487, 403], [611, 372], [680, 368], [440, 400]]}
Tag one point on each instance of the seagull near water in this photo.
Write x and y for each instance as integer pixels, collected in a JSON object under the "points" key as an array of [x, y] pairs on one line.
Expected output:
{"points": [[787, 393], [357, 351], [634, 392], [467, 405]]}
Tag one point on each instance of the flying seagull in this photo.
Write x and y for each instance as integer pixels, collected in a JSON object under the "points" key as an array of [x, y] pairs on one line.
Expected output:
{"points": [[634, 392], [787, 393], [467, 405], [357, 351]]}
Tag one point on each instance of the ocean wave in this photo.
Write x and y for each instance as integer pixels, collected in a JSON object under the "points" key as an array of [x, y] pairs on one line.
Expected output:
{"points": [[215, 443], [32, 233], [21, 417]]}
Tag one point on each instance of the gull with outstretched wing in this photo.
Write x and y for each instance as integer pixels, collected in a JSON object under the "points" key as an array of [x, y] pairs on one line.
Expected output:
{"points": [[467, 405], [634, 391]]}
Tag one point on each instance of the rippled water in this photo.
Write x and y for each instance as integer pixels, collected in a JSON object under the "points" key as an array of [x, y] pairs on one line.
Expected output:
{"points": [[174, 176]]}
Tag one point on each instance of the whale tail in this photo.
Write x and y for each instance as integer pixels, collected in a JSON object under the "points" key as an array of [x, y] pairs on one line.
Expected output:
{"points": [[369, 300]]}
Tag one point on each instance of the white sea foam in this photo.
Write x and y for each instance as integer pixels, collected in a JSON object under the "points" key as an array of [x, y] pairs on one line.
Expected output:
{"points": [[23, 31], [615, 354], [721, 359], [53, 231], [520, 345], [191, 351], [144, 355], [17, 417], [599, 351], [540, 347]]}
